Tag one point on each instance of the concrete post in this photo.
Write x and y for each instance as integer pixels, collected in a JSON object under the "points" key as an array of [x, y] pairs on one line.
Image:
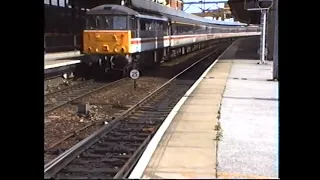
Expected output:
{"points": [[271, 26], [275, 53]]}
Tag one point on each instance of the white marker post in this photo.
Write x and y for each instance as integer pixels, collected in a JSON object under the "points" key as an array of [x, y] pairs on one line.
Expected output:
{"points": [[134, 74]]}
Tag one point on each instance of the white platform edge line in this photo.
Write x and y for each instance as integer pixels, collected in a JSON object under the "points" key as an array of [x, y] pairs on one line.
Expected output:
{"points": [[61, 64], [138, 171], [50, 56]]}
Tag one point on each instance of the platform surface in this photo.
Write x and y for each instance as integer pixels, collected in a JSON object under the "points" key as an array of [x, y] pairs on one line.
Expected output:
{"points": [[49, 64], [62, 55], [249, 120], [226, 126]]}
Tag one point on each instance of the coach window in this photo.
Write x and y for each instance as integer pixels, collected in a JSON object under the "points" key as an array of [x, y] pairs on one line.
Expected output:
{"points": [[146, 28], [179, 29], [208, 30], [145, 25], [218, 30], [183, 29], [174, 29], [212, 30], [192, 29], [188, 29], [233, 30], [199, 29], [150, 26], [142, 25], [165, 28], [158, 26]]}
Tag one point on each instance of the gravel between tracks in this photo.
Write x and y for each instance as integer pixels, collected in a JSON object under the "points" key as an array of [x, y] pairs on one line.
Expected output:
{"points": [[106, 104], [58, 84]]}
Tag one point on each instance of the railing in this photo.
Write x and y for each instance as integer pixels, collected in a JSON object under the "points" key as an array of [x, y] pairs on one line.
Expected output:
{"points": [[56, 42]]}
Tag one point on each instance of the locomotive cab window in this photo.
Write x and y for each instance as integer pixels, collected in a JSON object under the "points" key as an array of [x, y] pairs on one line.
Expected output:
{"points": [[119, 22], [102, 22]]}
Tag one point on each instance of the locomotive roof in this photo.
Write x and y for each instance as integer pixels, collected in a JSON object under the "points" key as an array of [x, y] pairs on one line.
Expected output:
{"points": [[110, 9]]}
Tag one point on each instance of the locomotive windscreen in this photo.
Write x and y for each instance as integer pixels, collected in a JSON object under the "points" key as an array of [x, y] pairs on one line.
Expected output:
{"points": [[102, 22]]}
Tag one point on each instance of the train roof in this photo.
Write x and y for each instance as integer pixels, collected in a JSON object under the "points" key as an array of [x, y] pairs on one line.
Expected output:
{"points": [[110, 9], [171, 13], [163, 11]]}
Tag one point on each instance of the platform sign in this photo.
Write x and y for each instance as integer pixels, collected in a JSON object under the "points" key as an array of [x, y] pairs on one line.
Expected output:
{"points": [[134, 74]]}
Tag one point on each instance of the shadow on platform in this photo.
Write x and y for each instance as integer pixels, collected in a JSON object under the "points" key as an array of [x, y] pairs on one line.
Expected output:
{"points": [[246, 48]]}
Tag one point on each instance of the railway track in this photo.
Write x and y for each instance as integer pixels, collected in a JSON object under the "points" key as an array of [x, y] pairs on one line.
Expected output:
{"points": [[64, 96], [47, 78], [113, 150], [69, 87]]}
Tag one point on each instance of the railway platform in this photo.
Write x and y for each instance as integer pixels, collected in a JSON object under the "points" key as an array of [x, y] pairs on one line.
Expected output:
{"points": [[57, 63], [62, 55], [55, 67], [226, 125]]}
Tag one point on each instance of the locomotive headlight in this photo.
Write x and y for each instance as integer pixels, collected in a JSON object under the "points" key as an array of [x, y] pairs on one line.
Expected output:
{"points": [[114, 37], [116, 50], [105, 48], [123, 49], [89, 48]]}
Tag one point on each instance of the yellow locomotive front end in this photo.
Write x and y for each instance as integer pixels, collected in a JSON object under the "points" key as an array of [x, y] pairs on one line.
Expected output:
{"points": [[107, 38], [106, 42]]}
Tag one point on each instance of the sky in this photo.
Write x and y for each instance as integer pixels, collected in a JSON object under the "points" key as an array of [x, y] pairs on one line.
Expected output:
{"points": [[196, 8]]}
